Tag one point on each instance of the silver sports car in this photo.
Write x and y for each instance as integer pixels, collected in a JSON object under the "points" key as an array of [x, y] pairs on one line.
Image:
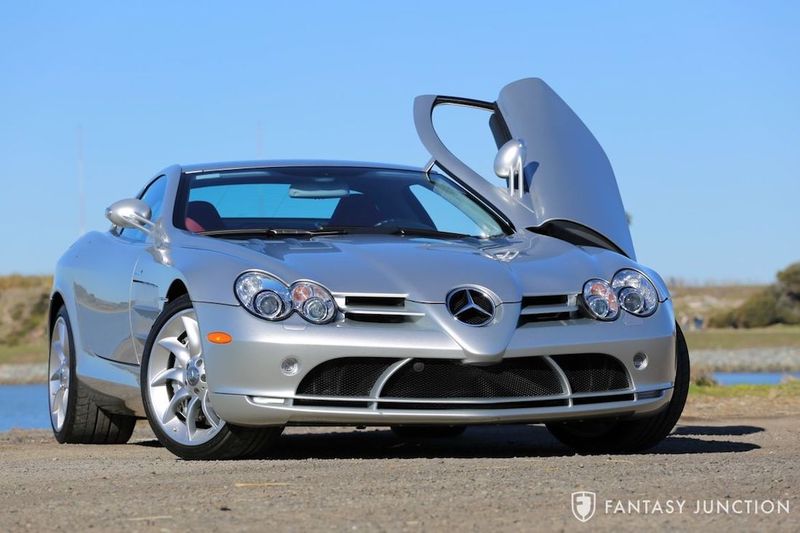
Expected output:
{"points": [[229, 300]]}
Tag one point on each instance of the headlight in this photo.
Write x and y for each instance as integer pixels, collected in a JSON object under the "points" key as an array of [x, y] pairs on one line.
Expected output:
{"points": [[263, 295], [313, 302], [636, 293], [600, 300], [269, 298]]}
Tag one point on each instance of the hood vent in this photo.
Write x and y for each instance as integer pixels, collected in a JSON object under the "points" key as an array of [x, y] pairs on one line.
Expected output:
{"points": [[376, 308]]}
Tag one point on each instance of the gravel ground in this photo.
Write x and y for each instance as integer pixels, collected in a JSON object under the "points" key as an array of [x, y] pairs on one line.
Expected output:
{"points": [[16, 374], [513, 478], [747, 360]]}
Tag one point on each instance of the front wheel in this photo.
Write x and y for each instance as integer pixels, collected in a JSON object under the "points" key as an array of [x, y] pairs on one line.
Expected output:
{"points": [[176, 397], [630, 436]]}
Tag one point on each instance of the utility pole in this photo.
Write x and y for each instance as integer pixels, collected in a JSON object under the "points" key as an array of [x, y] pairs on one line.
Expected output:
{"points": [[259, 141], [81, 185]]}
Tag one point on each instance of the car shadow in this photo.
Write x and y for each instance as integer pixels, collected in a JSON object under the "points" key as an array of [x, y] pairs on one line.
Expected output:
{"points": [[499, 442], [732, 431], [477, 442]]}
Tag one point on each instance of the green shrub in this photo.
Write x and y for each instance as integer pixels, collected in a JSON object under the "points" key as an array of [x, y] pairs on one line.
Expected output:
{"points": [[777, 304], [759, 311]]}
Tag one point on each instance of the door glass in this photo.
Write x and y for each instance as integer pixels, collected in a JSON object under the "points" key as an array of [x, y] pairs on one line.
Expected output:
{"points": [[466, 133], [154, 197]]}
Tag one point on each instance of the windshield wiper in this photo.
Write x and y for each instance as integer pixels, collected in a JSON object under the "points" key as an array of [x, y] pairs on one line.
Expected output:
{"points": [[399, 230], [271, 232]]}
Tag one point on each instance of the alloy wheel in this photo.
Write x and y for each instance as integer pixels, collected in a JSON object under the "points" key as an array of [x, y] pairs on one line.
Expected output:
{"points": [[58, 370], [176, 381]]}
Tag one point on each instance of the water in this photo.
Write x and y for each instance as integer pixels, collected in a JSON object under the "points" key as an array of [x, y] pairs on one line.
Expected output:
{"points": [[752, 378], [24, 407]]}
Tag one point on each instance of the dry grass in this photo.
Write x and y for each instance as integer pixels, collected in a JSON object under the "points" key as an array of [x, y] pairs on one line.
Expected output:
{"points": [[31, 352], [732, 339], [704, 301]]}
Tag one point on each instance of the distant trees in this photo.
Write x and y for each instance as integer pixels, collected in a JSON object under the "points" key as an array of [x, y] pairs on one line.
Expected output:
{"points": [[777, 304]]}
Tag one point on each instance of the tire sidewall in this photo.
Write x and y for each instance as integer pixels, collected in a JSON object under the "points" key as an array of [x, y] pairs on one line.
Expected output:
{"points": [[62, 436]]}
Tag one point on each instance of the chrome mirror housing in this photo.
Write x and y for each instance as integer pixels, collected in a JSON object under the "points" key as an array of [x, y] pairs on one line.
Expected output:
{"points": [[508, 164], [130, 213]]}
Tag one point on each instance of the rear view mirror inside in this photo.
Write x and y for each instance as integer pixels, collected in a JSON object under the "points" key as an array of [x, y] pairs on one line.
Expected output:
{"points": [[319, 189]]}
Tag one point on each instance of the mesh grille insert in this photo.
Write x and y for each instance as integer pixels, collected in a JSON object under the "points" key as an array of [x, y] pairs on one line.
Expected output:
{"points": [[441, 378], [349, 376], [593, 372]]}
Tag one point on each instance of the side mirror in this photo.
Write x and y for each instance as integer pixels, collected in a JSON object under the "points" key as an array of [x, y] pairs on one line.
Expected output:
{"points": [[508, 164], [130, 213]]}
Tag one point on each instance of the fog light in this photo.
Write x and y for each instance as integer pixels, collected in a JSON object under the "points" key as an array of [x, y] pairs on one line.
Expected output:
{"points": [[640, 361], [290, 366]]}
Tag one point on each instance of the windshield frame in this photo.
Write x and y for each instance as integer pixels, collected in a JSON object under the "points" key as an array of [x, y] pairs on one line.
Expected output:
{"points": [[182, 195]]}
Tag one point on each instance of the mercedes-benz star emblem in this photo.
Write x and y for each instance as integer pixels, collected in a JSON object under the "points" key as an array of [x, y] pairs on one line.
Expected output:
{"points": [[471, 306]]}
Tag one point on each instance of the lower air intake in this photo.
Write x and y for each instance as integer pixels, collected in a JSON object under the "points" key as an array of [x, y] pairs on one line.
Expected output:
{"points": [[593, 372], [349, 376], [438, 378]]}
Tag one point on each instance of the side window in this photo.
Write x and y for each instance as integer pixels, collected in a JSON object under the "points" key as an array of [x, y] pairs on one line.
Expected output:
{"points": [[154, 197], [446, 215]]}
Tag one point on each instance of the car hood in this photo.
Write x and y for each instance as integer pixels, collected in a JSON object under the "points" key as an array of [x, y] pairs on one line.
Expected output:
{"points": [[425, 270]]}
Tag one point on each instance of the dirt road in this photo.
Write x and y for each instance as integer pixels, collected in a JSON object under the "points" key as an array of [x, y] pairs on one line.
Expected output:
{"points": [[492, 479]]}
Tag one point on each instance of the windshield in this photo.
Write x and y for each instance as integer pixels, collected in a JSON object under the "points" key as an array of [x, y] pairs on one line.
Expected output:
{"points": [[312, 199]]}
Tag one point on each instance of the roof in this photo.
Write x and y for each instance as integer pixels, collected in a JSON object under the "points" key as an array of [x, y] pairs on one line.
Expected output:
{"points": [[235, 165]]}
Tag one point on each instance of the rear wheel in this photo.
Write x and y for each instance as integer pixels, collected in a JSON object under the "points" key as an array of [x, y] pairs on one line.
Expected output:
{"points": [[621, 436], [76, 415], [176, 397], [428, 432]]}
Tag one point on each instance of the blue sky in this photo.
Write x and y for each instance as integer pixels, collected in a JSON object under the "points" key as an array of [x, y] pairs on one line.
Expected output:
{"points": [[696, 103]]}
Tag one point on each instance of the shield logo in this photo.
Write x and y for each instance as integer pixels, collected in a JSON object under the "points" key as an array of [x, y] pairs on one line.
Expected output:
{"points": [[583, 505]]}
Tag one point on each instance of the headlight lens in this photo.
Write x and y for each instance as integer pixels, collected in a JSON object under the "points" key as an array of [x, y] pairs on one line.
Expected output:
{"points": [[270, 299], [636, 293], [600, 299], [313, 302], [264, 296]]}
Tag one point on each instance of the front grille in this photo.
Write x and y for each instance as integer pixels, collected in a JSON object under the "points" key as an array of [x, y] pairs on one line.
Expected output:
{"points": [[380, 301], [377, 309], [593, 372], [556, 299], [377, 319], [545, 317], [441, 378], [349, 376]]}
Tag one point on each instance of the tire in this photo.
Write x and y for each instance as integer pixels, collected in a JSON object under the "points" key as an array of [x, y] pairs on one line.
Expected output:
{"points": [[80, 419], [428, 432], [176, 400], [630, 436]]}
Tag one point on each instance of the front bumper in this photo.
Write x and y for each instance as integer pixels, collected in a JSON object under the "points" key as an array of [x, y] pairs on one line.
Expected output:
{"points": [[248, 388]]}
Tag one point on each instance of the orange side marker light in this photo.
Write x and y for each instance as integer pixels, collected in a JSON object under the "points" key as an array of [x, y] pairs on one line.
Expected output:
{"points": [[219, 337]]}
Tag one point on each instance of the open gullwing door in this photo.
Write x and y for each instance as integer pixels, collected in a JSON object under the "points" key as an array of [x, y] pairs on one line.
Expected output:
{"points": [[567, 188]]}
